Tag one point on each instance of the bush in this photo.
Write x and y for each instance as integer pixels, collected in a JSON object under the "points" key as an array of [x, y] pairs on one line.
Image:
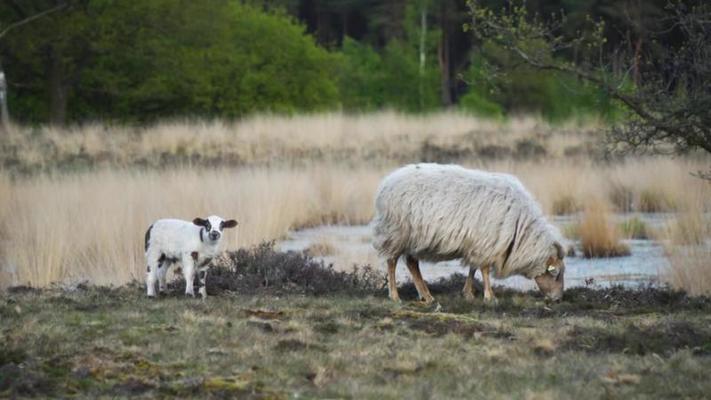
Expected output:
{"points": [[361, 77], [635, 228], [263, 270]]}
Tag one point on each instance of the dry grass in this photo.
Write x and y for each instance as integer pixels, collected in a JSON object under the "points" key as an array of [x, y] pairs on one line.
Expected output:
{"points": [[688, 247], [322, 247], [276, 173], [599, 237], [384, 137], [90, 226]]}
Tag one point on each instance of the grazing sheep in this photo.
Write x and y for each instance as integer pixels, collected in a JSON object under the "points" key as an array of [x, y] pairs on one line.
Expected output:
{"points": [[193, 244], [442, 212]]}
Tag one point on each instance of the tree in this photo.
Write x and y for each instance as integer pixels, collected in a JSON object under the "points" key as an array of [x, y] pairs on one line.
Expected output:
{"points": [[668, 97], [135, 60], [25, 19]]}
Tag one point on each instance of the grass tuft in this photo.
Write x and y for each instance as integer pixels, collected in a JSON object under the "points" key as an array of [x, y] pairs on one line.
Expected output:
{"points": [[598, 236]]}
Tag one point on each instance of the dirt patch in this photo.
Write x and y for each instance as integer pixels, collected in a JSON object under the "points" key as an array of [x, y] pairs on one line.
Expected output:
{"points": [[291, 345], [662, 339], [132, 387], [439, 327]]}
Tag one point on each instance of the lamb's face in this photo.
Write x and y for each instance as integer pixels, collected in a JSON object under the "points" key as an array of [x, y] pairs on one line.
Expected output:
{"points": [[214, 226]]}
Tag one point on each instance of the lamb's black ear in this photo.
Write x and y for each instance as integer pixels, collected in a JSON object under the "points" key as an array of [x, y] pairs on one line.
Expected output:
{"points": [[230, 223], [200, 222]]}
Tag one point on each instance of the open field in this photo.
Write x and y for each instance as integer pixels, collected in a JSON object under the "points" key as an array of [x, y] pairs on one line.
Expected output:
{"points": [[74, 204], [614, 343], [90, 225]]}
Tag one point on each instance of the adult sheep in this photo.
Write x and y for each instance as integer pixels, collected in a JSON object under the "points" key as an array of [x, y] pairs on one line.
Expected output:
{"points": [[438, 212]]}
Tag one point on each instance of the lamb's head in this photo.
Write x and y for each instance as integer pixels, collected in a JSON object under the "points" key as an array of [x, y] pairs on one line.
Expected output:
{"points": [[213, 226], [551, 281]]}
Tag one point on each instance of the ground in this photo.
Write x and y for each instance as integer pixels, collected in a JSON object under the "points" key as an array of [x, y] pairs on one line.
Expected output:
{"points": [[114, 342]]}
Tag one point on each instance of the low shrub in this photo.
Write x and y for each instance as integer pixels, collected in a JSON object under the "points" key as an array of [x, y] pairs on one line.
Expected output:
{"points": [[635, 228], [263, 270]]}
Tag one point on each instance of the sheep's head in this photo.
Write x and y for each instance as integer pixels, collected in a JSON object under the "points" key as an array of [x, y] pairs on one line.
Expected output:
{"points": [[551, 281], [213, 226]]}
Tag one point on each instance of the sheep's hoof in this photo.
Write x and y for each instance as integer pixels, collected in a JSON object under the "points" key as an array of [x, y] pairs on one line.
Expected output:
{"points": [[469, 297], [151, 296], [492, 301], [190, 295]]}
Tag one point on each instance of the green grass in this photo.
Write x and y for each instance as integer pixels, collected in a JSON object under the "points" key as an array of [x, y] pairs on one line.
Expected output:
{"points": [[100, 342]]}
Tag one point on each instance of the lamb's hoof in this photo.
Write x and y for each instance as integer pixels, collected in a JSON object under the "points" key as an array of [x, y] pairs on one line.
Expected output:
{"points": [[469, 297], [151, 296], [190, 295]]}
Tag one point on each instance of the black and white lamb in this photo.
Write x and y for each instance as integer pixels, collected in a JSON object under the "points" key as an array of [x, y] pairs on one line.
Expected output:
{"points": [[192, 244]]}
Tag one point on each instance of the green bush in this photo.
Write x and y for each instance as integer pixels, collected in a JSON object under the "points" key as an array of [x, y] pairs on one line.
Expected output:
{"points": [[361, 77]]}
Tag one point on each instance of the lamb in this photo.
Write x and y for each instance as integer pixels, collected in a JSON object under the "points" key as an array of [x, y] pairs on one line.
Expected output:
{"points": [[439, 212], [192, 244]]}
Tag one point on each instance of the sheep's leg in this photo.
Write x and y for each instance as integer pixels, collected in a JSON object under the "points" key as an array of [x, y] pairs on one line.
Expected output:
{"points": [[392, 284], [189, 274], [488, 293], [162, 272], [468, 289], [151, 273], [414, 266]]}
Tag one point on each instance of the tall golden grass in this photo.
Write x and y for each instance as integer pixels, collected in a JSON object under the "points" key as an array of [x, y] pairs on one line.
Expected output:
{"points": [[599, 236], [90, 225]]}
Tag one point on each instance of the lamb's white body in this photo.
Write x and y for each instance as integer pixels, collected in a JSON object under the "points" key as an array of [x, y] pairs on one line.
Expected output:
{"points": [[442, 212], [171, 241]]}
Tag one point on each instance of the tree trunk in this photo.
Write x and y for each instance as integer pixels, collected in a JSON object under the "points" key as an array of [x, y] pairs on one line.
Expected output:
{"points": [[4, 114], [444, 66], [57, 90], [423, 37]]}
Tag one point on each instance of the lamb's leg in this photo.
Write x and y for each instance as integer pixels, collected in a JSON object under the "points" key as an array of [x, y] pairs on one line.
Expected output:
{"points": [[189, 274], [488, 293], [151, 273], [468, 289], [162, 272], [414, 266], [392, 284], [202, 279]]}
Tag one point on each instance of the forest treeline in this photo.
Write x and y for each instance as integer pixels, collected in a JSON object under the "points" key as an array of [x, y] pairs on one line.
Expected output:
{"points": [[139, 60]]}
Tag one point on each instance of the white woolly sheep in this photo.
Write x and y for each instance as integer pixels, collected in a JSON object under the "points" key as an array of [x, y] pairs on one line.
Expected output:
{"points": [[192, 244], [443, 212]]}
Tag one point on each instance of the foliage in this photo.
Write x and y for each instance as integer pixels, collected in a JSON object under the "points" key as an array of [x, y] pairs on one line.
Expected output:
{"points": [[144, 60], [262, 269], [666, 53]]}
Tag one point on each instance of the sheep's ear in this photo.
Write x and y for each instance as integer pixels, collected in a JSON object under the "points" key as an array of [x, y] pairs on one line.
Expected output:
{"points": [[560, 252], [200, 222], [230, 223]]}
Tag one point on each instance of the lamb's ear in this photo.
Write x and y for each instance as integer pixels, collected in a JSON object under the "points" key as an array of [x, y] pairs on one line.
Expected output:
{"points": [[230, 223], [200, 222]]}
